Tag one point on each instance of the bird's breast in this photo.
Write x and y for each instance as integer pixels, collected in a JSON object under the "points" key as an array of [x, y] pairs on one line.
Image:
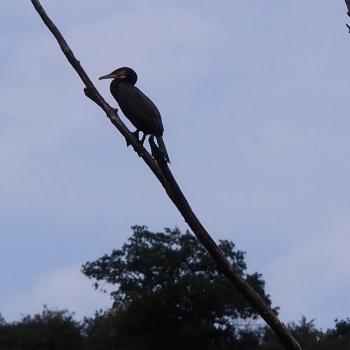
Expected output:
{"points": [[137, 107]]}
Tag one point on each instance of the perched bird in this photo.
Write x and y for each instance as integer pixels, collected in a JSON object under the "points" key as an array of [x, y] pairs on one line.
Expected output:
{"points": [[136, 106]]}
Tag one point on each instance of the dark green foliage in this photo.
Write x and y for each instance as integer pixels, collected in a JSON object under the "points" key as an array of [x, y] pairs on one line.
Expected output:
{"points": [[311, 338], [170, 294], [48, 330], [58, 330], [337, 338], [304, 331]]}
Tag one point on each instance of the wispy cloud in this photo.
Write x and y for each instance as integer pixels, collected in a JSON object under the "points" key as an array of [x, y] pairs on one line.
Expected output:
{"points": [[62, 288]]}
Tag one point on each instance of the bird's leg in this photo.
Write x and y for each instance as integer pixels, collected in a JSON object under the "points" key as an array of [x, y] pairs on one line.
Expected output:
{"points": [[143, 138], [156, 152]]}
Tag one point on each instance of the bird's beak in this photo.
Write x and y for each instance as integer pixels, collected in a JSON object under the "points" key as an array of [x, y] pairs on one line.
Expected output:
{"points": [[114, 75], [108, 76]]}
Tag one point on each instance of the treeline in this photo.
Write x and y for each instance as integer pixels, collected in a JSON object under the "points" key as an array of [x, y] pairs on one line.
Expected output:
{"points": [[54, 329], [167, 294]]}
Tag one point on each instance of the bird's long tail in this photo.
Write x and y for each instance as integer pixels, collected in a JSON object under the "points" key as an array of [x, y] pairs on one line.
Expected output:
{"points": [[163, 148]]}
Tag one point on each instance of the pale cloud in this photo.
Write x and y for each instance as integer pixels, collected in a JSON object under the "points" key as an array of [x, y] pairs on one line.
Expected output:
{"points": [[62, 288]]}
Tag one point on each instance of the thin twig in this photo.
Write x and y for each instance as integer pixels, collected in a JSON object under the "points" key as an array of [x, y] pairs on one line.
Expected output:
{"points": [[161, 170]]}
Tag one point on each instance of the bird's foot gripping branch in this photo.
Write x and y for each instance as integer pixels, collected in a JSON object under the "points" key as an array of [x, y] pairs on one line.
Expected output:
{"points": [[158, 165]]}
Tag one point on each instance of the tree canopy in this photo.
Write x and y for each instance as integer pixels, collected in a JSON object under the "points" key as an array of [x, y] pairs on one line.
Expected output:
{"points": [[52, 329], [169, 293]]}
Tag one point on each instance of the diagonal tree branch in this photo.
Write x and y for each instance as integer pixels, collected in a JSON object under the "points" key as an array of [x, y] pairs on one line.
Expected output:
{"points": [[347, 2], [161, 170]]}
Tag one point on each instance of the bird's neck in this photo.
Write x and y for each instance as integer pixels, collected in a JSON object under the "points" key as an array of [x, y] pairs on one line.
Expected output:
{"points": [[118, 86], [114, 87], [117, 82]]}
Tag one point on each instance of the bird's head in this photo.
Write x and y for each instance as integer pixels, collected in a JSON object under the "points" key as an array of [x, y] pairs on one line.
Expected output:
{"points": [[124, 73]]}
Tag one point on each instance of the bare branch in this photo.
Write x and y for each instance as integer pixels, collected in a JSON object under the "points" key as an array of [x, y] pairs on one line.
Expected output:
{"points": [[161, 170], [347, 2]]}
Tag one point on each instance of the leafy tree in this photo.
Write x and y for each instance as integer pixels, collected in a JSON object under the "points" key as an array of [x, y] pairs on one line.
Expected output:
{"points": [[311, 338], [100, 332], [50, 330], [337, 338], [341, 330], [169, 294]]}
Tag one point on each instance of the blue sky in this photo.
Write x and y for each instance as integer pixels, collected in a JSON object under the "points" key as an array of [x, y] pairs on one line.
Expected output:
{"points": [[254, 99]]}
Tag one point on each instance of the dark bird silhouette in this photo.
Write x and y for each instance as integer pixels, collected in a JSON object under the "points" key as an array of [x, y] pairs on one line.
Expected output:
{"points": [[136, 106]]}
